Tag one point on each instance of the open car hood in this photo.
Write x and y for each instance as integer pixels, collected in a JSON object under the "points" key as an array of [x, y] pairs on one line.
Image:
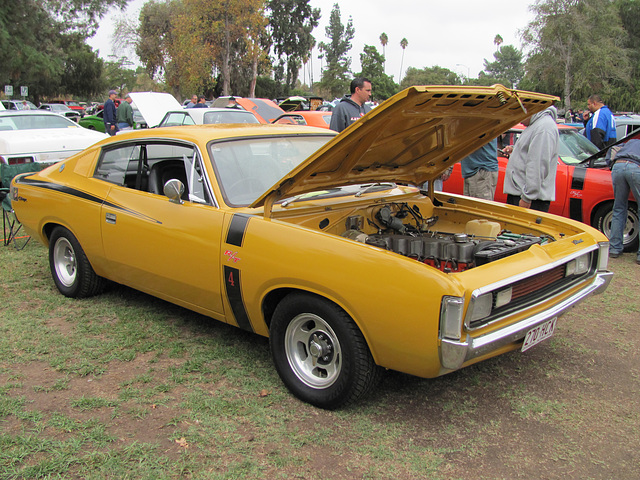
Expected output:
{"points": [[265, 110], [154, 105], [412, 137]]}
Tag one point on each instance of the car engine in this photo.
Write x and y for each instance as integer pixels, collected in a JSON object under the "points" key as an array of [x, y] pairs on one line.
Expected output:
{"points": [[448, 252]]}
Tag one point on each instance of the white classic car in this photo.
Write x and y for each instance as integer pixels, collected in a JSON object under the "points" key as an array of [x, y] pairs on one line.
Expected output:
{"points": [[40, 136]]}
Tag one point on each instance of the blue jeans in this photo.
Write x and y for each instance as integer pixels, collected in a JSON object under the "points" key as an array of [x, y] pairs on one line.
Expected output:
{"points": [[625, 176]]}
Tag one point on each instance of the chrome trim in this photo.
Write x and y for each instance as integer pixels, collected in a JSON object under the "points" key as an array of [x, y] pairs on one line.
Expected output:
{"points": [[530, 273], [454, 354], [507, 282]]}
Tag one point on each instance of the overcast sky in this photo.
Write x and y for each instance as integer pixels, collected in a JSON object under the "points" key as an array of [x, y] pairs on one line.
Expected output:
{"points": [[455, 34]]}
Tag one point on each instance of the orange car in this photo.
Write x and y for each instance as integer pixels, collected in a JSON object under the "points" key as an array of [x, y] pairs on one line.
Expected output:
{"points": [[305, 117]]}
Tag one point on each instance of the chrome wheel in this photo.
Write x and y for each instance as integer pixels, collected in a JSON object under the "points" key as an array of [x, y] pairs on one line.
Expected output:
{"points": [[319, 352], [313, 351], [64, 260], [630, 234]]}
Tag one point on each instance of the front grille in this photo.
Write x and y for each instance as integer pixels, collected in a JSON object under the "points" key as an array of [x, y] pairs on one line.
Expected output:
{"points": [[534, 289], [535, 283]]}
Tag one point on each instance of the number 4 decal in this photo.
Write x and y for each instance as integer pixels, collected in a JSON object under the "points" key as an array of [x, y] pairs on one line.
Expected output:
{"points": [[230, 279]]}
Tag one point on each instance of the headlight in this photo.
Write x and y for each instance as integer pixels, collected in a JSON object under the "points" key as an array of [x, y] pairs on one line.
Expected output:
{"points": [[578, 266], [451, 317]]}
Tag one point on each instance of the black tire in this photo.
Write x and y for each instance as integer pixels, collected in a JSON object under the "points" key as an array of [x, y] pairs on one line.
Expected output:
{"points": [[72, 273], [602, 221], [319, 352]]}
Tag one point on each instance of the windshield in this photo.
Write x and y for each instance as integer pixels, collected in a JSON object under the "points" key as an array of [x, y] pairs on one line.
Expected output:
{"points": [[230, 116], [33, 122], [247, 167], [574, 147]]}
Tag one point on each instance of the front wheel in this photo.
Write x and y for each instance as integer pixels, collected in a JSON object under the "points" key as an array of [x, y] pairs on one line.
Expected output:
{"points": [[70, 268], [319, 352], [602, 221]]}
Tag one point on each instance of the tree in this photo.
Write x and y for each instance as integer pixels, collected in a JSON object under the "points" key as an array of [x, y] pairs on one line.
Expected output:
{"points": [[373, 68], [430, 76], [497, 41], [403, 44], [384, 40], [79, 16], [625, 97], [118, 77], [335, 77], [82, 73], [42, 45], [576, 46], [291, 23], [507, 67], [155, 41]]}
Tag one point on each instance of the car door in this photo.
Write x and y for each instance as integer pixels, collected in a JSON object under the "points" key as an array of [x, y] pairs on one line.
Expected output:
{"points": [[167, 249]]}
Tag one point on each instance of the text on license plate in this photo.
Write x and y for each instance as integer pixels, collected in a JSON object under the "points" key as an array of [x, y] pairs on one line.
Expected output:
{"points": [[539, 333]]}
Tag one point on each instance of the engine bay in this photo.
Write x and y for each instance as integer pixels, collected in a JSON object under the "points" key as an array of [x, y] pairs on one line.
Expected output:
{"points": [[401, 228]]}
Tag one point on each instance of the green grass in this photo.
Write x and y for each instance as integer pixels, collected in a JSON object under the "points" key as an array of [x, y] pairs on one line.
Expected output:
{"points": [[124, 385]]}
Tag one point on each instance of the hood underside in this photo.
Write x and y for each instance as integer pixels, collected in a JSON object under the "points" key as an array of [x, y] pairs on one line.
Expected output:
{"points": [[412, 137], [154, 105]]}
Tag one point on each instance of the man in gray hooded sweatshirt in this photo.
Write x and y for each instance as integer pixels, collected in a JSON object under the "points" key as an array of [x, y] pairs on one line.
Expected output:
{"points": [[350, 109], [530, 179]]}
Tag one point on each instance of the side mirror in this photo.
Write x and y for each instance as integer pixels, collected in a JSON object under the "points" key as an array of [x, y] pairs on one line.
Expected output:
{"points": [[173, 190]]}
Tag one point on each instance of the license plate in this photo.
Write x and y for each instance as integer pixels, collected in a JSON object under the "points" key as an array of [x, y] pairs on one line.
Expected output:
{"points": [[538, 334]]}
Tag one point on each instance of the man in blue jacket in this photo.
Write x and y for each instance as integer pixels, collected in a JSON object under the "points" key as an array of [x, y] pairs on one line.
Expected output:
{"points": [[601, 127], [109, 114]]}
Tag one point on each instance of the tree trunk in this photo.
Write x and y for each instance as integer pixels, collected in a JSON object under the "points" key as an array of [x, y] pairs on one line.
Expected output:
{"points": [[254, 77], [226, 80], [567, 76]]}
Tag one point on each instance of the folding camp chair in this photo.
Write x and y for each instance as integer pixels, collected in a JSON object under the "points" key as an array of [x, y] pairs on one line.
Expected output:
{"points": [[10, 225]]}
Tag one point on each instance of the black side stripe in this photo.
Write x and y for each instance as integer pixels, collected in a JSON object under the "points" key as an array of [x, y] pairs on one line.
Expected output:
{"points": [[575, 209], [234, 295], [238, 226], [83, 195], [577, 182]]}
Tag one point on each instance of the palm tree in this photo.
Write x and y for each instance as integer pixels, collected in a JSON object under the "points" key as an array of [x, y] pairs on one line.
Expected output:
{"points": [[384, 40], [403, 43], [497, 41]]}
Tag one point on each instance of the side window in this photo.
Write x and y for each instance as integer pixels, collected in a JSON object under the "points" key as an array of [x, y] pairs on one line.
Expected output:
{"points": [[119, 165], [171, 161], [177, 119], [149, 167]]}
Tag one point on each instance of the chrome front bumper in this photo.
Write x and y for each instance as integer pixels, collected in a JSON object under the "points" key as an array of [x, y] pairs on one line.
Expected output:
{"points": [[453, 354]]}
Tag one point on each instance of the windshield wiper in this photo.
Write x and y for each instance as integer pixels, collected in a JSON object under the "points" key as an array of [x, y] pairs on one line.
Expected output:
{"points": [[373, 186]]}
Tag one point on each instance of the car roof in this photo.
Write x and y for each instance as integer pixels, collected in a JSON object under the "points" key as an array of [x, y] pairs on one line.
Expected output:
{"points": [[7, 113]]}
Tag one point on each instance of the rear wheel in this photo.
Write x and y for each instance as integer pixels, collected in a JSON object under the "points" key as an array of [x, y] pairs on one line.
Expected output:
{"points": [[319, 352], [70, 268], [602, 221]]}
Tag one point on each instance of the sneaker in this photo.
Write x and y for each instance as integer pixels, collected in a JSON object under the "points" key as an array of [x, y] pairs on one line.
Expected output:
{"points": [[615, 254], [638, 261]]}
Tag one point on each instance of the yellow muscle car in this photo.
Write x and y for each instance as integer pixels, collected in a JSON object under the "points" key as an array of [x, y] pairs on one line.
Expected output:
{"points": [[323, 242]]}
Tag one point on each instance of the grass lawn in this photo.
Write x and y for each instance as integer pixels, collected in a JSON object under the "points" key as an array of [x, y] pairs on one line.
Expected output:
{"points": [[124, 385]]}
